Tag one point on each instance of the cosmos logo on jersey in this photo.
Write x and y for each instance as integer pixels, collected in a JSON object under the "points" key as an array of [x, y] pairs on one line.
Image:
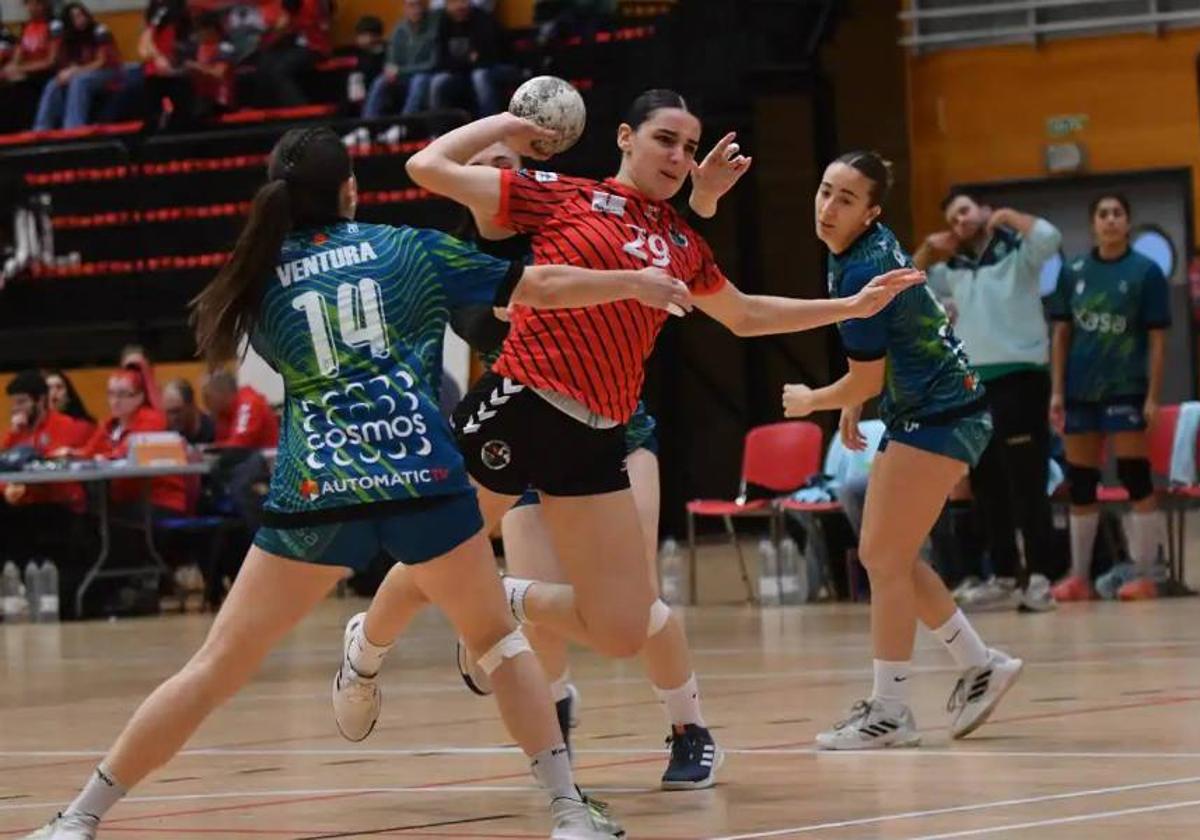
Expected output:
{"points": [[366, 423]]}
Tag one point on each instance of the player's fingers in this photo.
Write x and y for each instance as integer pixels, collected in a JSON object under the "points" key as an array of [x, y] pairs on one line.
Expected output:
{"points": [[718, 151], [731, 151]]}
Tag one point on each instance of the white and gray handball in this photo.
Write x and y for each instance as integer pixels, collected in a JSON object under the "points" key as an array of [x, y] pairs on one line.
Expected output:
{"points": [[552, 103]]}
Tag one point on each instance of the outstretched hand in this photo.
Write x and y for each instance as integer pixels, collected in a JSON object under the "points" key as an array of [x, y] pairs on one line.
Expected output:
{"points": [[882, 290], [716, 175]]}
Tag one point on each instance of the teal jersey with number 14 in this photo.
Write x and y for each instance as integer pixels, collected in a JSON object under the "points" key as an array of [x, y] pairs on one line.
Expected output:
{"points": [[353, 319]]}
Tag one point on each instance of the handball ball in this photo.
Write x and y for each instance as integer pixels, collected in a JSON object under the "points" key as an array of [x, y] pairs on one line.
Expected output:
{"points": [[551, 103]]}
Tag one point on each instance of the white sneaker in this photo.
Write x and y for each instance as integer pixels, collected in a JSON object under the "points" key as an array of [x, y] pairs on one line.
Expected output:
{"points": [[873, 724], [67, 827], [586, 819], [356, 699], [979, 690], [477, 679], [1036, 596], [993, 594]]}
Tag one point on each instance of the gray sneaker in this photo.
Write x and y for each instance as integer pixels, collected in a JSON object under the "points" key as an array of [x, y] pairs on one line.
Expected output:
{"points": [[1036, 596], [357, 700], [583, 819], [67, 827], [993, 594]]}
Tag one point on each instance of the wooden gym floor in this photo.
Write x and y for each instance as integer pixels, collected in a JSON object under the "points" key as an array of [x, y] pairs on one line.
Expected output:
{"points": [[1098, 739]]}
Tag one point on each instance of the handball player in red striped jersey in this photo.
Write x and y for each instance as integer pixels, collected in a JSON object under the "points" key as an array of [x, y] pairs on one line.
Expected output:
{"points": [[551, 413]]}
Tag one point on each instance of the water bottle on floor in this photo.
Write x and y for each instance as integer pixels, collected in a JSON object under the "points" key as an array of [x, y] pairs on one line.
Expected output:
{"points": [[33, 589], [768, 574], [12, 594], [670, 566], [48, 605], [789, 572]]}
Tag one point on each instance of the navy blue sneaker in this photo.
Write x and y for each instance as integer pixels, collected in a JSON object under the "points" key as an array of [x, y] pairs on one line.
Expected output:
{"points": [[695, 758]]}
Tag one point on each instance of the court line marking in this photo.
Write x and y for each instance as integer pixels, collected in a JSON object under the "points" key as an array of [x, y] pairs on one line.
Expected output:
{"points": [[960, 809], [1097, 815], [244, 794], [448, 751]]}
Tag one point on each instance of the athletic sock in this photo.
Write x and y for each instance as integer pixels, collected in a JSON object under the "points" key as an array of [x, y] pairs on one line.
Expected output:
{"points": [[962, 642], [891, 681], [1146, 539], [1083, 543], [682, 704], [552, 769], [365, 657], [99, 795]]}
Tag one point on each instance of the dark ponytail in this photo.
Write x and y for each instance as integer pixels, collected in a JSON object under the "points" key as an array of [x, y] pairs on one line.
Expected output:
{"points": [[224, 313], [649, 102], [307, 168], [876, 168]]}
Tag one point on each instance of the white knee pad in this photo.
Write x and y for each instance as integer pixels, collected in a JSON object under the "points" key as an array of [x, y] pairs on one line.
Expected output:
{"points": [[659, 614], [512, 645]]}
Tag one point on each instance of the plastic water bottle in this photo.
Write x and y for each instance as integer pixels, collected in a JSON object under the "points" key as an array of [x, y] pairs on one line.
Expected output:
{"points": [[670, 566], [33, 588], [48, 604], [768, 574], [356, 87], [789, 572], [12, 593]]}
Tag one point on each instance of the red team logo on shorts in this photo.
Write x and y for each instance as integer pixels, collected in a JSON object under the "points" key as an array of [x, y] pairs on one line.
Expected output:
{"points": [[495, 454], [309, 489]]}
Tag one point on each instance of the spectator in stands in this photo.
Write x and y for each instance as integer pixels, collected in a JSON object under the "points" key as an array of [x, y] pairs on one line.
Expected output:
{"points": [[184, 416], [409, 68], [66, 400], [36, 520], [131, 413], [243, 416], [369, 52], [8, 46], [38, 427], [31, 65], [135, 356], [161, 47], [299, 39], [211, 69], [469, 57], [988, 265], [90, 64]]}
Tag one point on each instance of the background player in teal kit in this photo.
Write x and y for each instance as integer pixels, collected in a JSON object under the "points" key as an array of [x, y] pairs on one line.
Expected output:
{"points": [[352, 316], [1111, 311], [937, 426]]}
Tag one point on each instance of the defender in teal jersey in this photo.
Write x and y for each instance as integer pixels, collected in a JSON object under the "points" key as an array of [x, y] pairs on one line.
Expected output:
{"points": [[352, 316], [937, 426], [1111, 311]]}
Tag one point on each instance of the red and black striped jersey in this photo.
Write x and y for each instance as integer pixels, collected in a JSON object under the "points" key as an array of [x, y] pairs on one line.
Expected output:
{"points": [[596, 354]]}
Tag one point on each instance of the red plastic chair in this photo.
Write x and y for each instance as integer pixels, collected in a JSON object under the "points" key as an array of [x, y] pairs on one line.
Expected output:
{"points": [[779, 457]]}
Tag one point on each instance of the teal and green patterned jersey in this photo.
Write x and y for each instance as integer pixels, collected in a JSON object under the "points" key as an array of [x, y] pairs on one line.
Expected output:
{"points": [[927, 370], [353, 319], [1111, 305]]}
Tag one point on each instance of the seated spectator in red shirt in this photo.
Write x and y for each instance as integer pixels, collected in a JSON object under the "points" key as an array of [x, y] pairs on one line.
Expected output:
{"points": [[31, 65], [90, 64], [243, 416], [37, 427], [132, 413], [299, 39], [211, 68], [184, 416], [66, 400], [168, 90]]}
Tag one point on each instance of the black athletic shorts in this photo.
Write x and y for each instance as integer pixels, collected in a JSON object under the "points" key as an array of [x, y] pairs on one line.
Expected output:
{"points": [[513, 439]]}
